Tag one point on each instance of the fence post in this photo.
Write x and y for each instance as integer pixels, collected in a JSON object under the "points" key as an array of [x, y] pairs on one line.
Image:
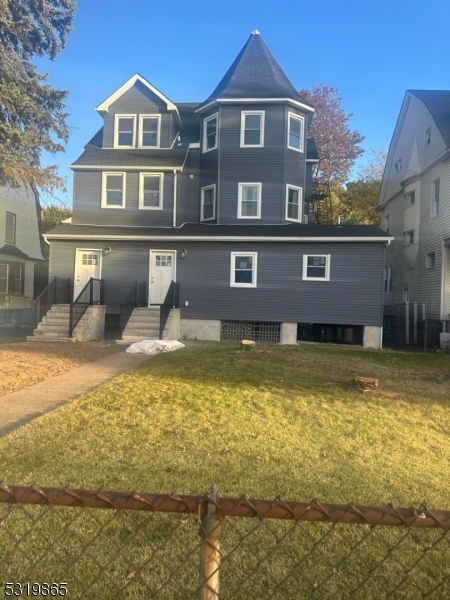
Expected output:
{"points": [[210, 554]]}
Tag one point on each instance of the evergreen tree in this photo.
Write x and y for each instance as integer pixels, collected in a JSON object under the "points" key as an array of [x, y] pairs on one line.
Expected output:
{"points": [[32, 113]]}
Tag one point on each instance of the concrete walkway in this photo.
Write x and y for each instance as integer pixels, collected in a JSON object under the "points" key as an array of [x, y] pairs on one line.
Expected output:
{"points": [[18, 408]]}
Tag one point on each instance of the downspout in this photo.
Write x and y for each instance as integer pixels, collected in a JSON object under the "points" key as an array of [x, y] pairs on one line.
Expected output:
{"points": [[174, 222]]}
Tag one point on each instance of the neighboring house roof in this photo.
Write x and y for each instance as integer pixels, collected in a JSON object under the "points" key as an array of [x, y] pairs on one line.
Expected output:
{"points": [[312, 153], [438, 105], [164, 158], [255, 74], [12, 250], [205, 231]]}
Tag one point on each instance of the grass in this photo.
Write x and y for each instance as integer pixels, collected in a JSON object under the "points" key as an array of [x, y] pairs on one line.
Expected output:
{"points": [[274, 421]]}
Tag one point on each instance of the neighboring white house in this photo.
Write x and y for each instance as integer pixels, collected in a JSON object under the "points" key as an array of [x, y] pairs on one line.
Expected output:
{"points": [[20, 246], [415, 204]]}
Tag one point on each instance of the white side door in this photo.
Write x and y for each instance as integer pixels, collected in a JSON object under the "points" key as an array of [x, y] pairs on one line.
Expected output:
{"points": [[87, 265], [162, 272]]}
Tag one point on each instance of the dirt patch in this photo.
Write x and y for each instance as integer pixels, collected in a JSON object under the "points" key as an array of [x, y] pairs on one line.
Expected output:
{"points": [[25, 363]]}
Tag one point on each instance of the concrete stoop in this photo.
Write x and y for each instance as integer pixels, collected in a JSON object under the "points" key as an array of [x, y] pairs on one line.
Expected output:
{"points": [[144, 325], [55, 325]]}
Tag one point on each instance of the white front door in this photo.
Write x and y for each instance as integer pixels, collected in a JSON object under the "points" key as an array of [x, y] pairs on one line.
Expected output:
{"points": [[87, 265], [162, 272]]}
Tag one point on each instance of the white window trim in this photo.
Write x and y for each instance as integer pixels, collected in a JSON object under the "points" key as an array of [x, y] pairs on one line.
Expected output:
{"points": [[408, 199], [300, 202], [141, 131], [240, 188], [13, 228], [253, 284], [124, 187], [435, 214], [302, 137], [7, 278], [202, 195], [244, 113], [215, 117], [116, 130], [327, 267], [142, 176]]}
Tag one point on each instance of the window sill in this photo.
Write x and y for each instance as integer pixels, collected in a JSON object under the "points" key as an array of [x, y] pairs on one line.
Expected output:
{"points": [[243, 285]]}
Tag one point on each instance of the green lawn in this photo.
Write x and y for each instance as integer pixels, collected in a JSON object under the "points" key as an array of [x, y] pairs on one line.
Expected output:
{"points": [[274, 421]]}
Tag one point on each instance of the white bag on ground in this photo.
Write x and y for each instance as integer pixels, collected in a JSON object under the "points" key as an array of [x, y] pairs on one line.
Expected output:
{"points": [[154, 346]]}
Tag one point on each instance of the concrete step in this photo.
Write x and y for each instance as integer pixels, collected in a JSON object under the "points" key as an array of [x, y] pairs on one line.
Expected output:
{"points": [[55, 320], [31, 338], [131, 339], [140, 331], [53, 327], [40, 333]]}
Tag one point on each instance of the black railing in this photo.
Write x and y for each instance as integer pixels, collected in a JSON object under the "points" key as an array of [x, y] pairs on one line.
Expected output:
{"points": [[172, 300], [136, 297], [92, 293], [58, 291]]}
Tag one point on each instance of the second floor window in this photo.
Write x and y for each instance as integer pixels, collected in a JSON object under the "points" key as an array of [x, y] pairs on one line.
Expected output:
{"points": [[113, 190], [210, 133], [293, 203], [151, 191], [410, 199], [249, 201], [408, 237], [208, 203], [10, 232], [435, 198], [149, 127], [387, 279], [296, 127], [124, 131], [252, 128]]}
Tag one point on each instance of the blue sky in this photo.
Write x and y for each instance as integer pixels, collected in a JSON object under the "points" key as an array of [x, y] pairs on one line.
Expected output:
{"points": [[370, 51]]}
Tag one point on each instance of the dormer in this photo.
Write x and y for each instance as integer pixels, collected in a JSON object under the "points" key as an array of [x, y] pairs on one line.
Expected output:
{"points": [[139, 116]]}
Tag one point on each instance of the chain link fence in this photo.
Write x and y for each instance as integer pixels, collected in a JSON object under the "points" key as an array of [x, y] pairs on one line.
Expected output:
{"points": [[108, 545]]}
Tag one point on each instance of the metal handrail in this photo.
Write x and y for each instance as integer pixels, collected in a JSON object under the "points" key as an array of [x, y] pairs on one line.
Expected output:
{"points": [[172, 300], [56, 292], [78, 307]]}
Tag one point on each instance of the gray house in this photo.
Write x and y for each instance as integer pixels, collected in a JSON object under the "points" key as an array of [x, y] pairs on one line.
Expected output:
{"points": [[20, 249], [191, 220], [415, 204]]}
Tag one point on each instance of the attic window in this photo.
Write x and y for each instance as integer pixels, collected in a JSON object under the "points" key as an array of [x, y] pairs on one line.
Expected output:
{"points": [[10, 232], [149, 128], [398, 165], [428, 137], [124, 131], [296, 128]]}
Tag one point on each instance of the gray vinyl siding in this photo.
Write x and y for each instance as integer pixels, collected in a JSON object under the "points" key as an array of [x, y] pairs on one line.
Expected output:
{"points": [[353, 295], [21, 201], [258, 165], [139, 100], [28, 266], [209, 166], [87, 202], [189, 189]]}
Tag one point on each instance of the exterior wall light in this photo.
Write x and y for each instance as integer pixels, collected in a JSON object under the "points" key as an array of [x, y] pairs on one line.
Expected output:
{"points": [[183, 253], [106, 250]]}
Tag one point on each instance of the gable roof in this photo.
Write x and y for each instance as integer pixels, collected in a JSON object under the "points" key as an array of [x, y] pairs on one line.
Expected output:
{"points": [[255, 74], [104, 106], [438, 105]]}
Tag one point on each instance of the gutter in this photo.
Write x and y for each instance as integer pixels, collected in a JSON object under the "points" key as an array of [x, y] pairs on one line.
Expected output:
{"points": [[174, 221], [224, 238]]}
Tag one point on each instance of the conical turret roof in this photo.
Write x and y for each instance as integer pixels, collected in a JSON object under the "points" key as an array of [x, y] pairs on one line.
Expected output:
{"points": [[255, 74]]}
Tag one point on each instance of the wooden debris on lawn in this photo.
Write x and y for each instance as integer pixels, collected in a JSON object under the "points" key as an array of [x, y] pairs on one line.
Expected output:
{"points": [[365, 383], [247, 345]]}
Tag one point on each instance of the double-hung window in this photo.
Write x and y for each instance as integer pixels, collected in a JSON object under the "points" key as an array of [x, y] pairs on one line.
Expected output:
{"points": [[113, 190], [408, 237], [387, 279], [10, 231], [210, 126], [293, 203], [149, 131], [151, 191], [252, 128], [431, 260], [243, 269], [124, 131], [410, 199], [17, 279], [249, 201], [316, 267], [208, 203], [296, 132], [4, 276], [435, 198]]}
